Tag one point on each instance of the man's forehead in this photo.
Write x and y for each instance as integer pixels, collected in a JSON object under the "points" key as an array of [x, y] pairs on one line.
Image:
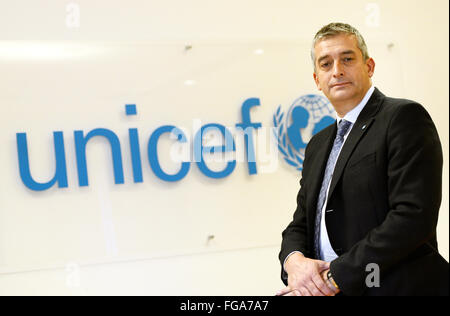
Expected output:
{"points": [[339, 53], [338, 44]]}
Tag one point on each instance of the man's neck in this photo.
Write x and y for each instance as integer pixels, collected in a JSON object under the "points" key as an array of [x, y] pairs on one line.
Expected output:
{"points": [[342, 108]]}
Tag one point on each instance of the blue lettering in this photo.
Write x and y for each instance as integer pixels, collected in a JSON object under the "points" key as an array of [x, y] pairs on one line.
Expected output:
{"points": [[81, 141], [24, 165], [199, 150], [247, 126], [153, 154], [80, 147], [135, 155]]}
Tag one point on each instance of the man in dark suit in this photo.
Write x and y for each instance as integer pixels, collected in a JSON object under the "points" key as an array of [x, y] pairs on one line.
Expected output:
{"points": [[371, 187]]}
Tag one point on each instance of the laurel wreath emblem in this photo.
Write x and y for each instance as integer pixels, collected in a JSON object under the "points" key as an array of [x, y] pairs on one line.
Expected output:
{"points": [[289, 156]]}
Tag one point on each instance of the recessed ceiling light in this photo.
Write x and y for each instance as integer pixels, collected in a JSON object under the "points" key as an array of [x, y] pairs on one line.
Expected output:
{"points": [[190, 82]]}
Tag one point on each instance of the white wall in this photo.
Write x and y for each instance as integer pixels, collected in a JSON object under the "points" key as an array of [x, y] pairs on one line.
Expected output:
{"points": [[151, 238]]}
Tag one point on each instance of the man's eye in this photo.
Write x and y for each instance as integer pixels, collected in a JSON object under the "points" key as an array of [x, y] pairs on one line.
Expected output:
{"points": [[325, 64], [348, 59]]}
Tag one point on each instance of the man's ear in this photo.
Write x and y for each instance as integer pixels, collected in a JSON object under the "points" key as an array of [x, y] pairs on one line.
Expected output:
{"points": [[370, 64], [316, 80]]}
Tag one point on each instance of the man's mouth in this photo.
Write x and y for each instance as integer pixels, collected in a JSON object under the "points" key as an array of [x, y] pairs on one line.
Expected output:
{"points": [[341, 84]]}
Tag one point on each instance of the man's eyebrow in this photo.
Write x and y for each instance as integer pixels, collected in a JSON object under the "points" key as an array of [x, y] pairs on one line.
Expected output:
{"points": [[347, 52], [322, 58]]}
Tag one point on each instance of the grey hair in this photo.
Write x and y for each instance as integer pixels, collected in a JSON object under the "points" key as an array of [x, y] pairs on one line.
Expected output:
{"points": [[334, 29]]}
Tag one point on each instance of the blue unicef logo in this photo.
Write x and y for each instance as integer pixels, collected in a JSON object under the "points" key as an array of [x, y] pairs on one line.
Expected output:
{"points": [[307, 116]]}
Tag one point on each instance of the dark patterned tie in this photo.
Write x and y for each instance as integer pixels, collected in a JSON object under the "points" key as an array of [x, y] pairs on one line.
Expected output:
{"points": [[339, 140]]}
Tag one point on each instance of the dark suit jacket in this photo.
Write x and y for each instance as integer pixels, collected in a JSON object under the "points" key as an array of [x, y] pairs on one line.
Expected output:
{"points": [[383, 201]]}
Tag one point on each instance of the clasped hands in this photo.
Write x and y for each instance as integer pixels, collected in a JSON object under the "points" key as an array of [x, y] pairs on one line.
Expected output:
{"points": [[307, 277]]}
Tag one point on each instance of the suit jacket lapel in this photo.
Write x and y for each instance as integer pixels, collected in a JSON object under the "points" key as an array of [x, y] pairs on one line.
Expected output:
{"points": [[360, 127]]}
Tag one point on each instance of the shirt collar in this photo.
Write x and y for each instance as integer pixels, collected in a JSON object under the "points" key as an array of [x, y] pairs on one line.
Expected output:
{"points": [[352, 116]]}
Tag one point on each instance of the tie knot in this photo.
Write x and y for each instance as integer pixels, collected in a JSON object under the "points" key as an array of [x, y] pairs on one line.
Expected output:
{"points": [[343, 128]]}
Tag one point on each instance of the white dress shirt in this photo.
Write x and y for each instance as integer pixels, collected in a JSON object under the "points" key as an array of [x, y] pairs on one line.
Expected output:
{"points": [[326, 251]]}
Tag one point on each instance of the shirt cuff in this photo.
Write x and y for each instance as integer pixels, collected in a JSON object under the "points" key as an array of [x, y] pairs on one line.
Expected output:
{"points": [[289, 256]]}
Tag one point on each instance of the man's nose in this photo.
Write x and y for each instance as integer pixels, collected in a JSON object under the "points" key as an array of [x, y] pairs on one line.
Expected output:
{"points": [[338, 69]]}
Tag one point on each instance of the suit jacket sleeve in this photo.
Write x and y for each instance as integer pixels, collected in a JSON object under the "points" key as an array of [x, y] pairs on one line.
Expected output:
{"points": [[295, 235], [414, 182]]}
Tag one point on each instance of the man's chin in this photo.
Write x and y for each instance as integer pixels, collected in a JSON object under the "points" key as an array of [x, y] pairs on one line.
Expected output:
{"points": [[340, 95]]}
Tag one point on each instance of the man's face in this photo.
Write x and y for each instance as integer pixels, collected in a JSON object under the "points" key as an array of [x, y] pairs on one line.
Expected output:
{"points": [[341, 72]]}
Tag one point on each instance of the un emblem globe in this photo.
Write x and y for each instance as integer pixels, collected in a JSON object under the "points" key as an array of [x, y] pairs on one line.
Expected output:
{"points": [[307, 116]]}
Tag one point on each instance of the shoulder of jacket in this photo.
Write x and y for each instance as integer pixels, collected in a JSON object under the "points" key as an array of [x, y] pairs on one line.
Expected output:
{"points": [[393, 105]]}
